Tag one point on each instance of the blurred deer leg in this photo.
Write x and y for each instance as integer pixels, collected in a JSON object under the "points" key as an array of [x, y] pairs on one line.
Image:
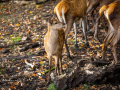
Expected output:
{"points": [[106, 42], [84, 26], [67, 30], [57, 65], [114, 44], [80, 23], [75, 30], [96, 28], [50, 66], [104, 24], [60, 62]]}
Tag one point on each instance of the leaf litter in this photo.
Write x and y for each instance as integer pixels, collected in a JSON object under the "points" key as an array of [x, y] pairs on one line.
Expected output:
{"points": [[18, 23]]}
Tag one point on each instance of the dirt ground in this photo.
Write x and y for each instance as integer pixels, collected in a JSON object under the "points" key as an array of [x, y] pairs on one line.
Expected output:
{"points": [[22, 29]]}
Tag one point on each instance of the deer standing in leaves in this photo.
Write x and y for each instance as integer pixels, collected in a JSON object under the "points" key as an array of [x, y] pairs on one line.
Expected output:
{"points": [[112, 14], [53, 42], [69, 12]]}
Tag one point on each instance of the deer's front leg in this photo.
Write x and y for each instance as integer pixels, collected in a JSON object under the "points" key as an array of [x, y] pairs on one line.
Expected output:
{"points": [[84, 26], [75, 30], [50, 66], [96, 28], [57, 65]]}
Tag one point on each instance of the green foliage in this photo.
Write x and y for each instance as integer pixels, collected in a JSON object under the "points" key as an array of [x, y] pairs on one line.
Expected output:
{"points": [[13, 59], [6, 41], [33, 29], [73, 41], [28, 53], [15, 34], [52, 87], [2, 9], [0, 4], [48, 70], [68, 70], [11, 35], [86, 88], [16, 39]]}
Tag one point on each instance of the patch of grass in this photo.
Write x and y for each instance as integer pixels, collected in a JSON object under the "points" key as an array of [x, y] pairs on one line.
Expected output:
{"points": [[11, 35], [52, 87], [13, 59], [84, 82], [15, 34], [33, 29], [12, 48], [51, 70], [73, 41], [86, 88], [6, 41], [0, 4], [28, 53], [16, 39], [68, 70]]}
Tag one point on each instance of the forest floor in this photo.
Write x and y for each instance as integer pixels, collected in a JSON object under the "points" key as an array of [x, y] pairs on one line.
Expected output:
{"points": [[22, 30]]}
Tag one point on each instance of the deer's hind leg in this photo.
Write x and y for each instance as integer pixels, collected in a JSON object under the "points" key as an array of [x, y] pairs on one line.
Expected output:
{"points": [[114, 42]]}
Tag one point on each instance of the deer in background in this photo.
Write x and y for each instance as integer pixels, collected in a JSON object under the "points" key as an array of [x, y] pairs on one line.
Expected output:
{"points": [[92, 7], [69, 12], [53, 42], [112, 14]]}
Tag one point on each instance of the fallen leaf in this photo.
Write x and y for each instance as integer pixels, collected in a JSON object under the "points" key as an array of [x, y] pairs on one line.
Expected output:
{"points": [[81, 45], [31, 12], [16, 83], [41, 62], [34, 74], [12, 87]]}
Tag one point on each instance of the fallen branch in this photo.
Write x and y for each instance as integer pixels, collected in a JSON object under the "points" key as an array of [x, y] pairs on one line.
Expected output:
{"points": [[40, 53], [17, 43], [85, 71]]}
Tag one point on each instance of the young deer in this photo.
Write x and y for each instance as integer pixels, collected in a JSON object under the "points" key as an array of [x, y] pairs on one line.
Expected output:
{"points": [[53, 42], [112, 14], [70, 11], [92, 6]]}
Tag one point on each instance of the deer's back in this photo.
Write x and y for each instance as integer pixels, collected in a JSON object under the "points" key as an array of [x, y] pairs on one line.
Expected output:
{"points": [[106, 2], [114, 16], [77, 7], [54, 42]]}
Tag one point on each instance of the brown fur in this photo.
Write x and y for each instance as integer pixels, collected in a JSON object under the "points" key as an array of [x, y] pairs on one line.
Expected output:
{"points": [[93, 4], [53, 42], [62, 5], [77, 8], [103, 8], [73, 11], [112, 13]]}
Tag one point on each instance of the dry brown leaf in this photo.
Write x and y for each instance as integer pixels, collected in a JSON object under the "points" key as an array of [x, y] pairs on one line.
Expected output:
{"points": [[16, 83], [81, 45], [12, 87], [34, 74]]}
